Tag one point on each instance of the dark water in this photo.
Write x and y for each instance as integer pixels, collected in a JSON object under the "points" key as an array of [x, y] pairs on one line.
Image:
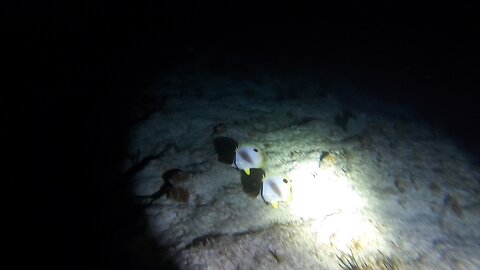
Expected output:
{"points": [[87, 69]]}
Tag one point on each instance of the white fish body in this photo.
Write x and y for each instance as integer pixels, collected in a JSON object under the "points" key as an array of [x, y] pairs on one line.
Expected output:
{"points": [[247, 157], [276, 189]]}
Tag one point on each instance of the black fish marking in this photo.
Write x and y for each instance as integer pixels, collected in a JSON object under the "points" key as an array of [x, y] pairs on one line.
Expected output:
{"points": [[276, 189], [245, 156]]}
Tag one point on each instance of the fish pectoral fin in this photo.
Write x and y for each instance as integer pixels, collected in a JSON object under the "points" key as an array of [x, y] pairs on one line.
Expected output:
{"points": [[275, 204], [247, 171]]}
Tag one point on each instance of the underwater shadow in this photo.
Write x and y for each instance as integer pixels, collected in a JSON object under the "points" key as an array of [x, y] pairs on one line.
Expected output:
{"points": [[84, 213]]}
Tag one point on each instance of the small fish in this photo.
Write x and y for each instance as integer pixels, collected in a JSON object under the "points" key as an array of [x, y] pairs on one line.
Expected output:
{"points": [[248, 157], [252, 183], [276, 189], [242, 157], [225, 148]]}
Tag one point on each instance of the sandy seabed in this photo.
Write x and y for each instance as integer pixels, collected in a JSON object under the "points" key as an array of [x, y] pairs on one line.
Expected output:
{"points": [[394, 193]]}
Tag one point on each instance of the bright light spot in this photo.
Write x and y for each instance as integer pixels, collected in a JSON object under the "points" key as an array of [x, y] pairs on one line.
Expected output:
{"points": [[320, 192], [333, 206]]}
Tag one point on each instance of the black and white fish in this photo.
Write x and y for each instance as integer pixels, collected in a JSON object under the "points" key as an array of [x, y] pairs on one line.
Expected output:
{"points": [[248, 157], [242, 157], [277, 188]]}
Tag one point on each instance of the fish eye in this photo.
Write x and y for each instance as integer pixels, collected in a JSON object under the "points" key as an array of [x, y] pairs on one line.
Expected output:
{"points": [[255, 149], [285, 180]]}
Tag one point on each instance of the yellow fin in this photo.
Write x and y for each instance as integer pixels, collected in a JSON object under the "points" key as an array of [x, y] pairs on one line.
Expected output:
{"points": [[247, 171], [275, 204]]}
